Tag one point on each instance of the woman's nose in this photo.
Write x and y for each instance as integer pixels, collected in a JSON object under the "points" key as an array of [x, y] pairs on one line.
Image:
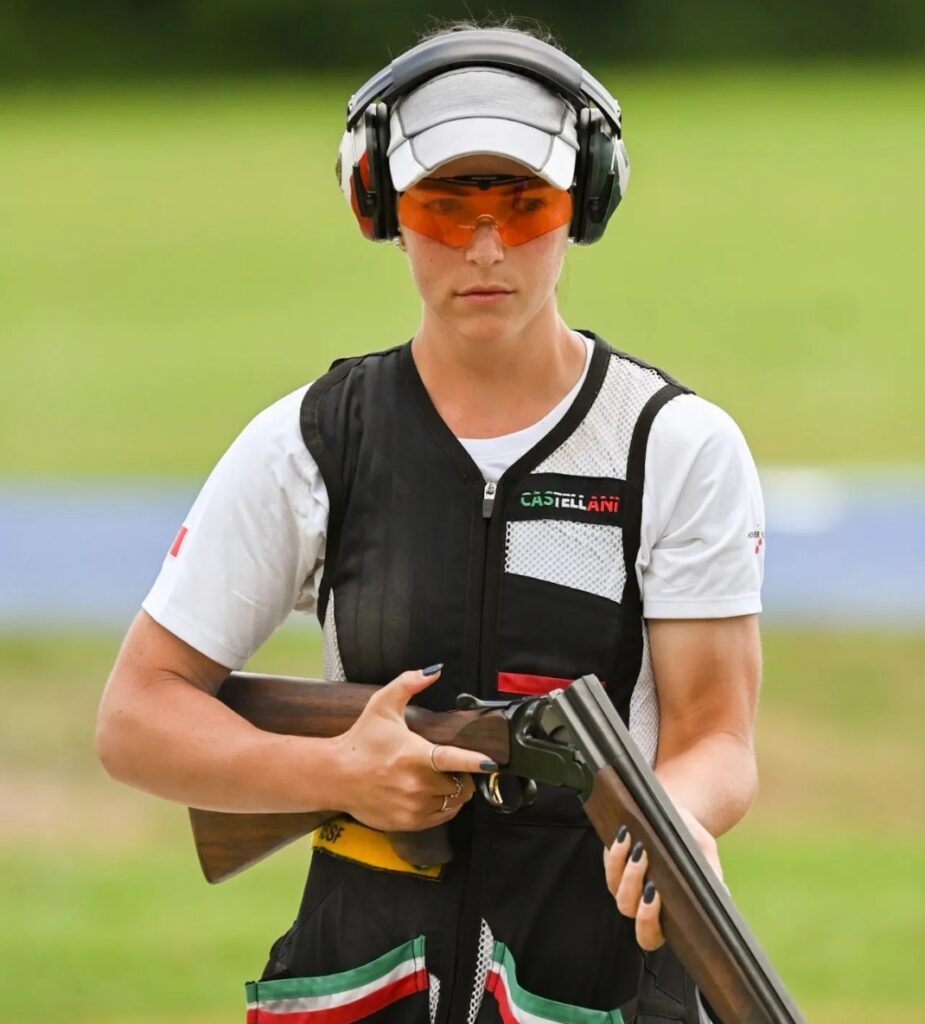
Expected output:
{"points": [[486, 240]]}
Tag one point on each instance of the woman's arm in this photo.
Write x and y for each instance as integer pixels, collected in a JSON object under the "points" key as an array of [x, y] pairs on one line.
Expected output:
{"points": [[708, 674], [161, 729]]}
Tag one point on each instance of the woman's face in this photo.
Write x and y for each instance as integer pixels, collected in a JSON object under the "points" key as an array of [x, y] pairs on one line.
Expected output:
{"points": [[442, 272]]}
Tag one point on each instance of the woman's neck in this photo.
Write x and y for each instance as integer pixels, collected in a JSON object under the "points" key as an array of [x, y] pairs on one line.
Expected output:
{"points": [[489, 385]]}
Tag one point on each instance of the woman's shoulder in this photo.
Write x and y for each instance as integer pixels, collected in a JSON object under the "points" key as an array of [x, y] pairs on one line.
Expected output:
{"points": [[691, 423], [629, 379], [269, 447], [344, 365], [274, 423], [684, 426]]}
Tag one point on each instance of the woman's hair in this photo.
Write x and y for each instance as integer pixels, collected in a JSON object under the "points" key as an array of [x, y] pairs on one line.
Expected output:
{"points": [[513, 22]]}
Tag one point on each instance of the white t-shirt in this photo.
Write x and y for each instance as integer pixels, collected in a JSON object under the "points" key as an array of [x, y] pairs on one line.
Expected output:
{"points": [[252, 547]]}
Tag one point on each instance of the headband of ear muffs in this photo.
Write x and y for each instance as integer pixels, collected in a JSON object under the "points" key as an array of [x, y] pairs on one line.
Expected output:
{"points": [[601, 165]]}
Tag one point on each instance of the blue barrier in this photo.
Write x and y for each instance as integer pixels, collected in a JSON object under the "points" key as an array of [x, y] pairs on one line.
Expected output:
{"points": [[844, 548]]}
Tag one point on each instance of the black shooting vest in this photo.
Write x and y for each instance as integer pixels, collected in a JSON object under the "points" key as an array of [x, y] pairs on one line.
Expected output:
{"points": [[516, 588]]}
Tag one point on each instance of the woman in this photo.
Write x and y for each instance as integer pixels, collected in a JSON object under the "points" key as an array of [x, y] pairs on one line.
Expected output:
{"points": [[503, 499]]}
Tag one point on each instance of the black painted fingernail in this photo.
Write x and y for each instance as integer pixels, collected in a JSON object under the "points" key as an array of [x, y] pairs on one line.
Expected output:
{"points": [[636, 855], [432, 669], [622, 834], [648, 894], [489, 766]]}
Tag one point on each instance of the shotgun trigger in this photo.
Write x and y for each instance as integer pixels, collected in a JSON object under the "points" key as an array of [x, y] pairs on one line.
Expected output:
{"points": [[507, 793]]}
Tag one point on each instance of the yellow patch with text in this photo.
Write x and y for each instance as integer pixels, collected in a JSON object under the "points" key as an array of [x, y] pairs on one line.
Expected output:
{"points": [[344, 837]]}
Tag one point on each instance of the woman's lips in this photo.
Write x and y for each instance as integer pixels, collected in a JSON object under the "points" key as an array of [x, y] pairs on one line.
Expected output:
{"points": [[484, 297]]}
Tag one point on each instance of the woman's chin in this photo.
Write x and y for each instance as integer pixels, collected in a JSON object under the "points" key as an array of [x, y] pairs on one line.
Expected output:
{"points": [[480, 324], [487, 328]]}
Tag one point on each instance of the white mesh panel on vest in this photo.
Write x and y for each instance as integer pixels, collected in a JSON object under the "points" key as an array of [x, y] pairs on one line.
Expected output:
{"points": [[587, 556], [332, 666], [433, 996], [644, 718], [601, 443], [483, 960]]}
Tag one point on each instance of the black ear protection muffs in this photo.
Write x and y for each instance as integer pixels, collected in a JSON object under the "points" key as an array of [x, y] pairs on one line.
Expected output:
{"points": [[601, 165]]}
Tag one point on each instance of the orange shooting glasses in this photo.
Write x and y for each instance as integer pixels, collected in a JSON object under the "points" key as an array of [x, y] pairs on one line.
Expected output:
{"points": [[448, 209]]}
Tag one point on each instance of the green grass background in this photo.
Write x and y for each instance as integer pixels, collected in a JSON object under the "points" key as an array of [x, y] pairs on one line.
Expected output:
{"points": [[176, 256]]}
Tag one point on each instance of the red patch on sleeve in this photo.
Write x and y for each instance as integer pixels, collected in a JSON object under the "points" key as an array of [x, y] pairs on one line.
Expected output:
{"points": [[177, 541]]}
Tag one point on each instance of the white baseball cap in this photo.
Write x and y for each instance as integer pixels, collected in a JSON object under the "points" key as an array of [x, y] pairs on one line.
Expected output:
{"points": [[471, 111]]}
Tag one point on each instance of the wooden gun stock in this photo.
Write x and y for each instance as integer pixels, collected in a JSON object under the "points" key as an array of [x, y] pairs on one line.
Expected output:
{"points": [[227, 842]]}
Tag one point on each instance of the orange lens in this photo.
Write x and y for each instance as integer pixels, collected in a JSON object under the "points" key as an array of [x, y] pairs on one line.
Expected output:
{"points": [[449, 211]]}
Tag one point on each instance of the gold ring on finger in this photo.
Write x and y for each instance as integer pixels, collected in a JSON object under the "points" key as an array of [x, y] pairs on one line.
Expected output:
{"points": [[446, 801], [459, 785], [432, 751]]}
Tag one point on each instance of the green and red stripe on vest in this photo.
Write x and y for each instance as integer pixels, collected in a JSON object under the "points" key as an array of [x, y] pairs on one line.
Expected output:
{"points": [[340, 998], [517, 1006]]}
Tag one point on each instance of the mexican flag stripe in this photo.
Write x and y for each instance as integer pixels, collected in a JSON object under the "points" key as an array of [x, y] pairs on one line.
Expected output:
{"points": [[517, 1006], [340, 998]]}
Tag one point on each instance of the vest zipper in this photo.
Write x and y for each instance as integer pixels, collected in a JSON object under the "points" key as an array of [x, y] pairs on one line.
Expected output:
{"points": [[460, 996], [488, 502]]}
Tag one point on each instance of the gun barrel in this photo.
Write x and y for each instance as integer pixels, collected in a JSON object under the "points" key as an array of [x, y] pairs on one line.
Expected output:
{"points": [[700, 921]]}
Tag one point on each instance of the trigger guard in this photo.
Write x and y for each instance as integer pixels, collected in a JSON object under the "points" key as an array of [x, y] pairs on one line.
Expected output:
{"points": [[529, 792], [507, 794]]}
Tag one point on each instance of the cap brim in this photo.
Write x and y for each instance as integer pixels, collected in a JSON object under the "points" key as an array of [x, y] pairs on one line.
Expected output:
{"points": [[548, 156]]}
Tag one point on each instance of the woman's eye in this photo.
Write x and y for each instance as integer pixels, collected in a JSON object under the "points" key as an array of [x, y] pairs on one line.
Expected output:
{"points": [[442, 205], [529, 205]]}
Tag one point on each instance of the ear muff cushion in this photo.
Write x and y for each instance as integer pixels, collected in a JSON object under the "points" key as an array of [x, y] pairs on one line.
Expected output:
{"points": [[386, 214], [580, 186], [600, 184]]}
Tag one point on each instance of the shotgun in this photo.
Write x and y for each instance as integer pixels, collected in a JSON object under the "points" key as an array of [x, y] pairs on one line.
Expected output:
{"points": [[569, 737]]}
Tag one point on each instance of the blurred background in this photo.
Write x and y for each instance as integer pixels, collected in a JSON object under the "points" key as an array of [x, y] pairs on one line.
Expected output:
{"points": [[176, 255]]}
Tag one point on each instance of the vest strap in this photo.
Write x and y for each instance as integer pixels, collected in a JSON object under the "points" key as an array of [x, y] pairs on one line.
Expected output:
{"points": [[629, 647]]}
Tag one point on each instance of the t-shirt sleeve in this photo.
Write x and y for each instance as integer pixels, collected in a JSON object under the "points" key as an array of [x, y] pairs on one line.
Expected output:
{"points": [[701, 551], [252, 547]]}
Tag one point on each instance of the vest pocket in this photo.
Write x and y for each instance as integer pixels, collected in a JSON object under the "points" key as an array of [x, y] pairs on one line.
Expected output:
{"points": [[667, 994], [506, 1001], [392, 988]]}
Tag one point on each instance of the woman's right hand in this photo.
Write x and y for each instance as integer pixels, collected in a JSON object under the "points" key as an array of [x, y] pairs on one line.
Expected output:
{"points": [[385, 770]]}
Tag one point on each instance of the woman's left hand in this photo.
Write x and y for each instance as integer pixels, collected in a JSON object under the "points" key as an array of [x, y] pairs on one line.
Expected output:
{"points": [[625, 866]]}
